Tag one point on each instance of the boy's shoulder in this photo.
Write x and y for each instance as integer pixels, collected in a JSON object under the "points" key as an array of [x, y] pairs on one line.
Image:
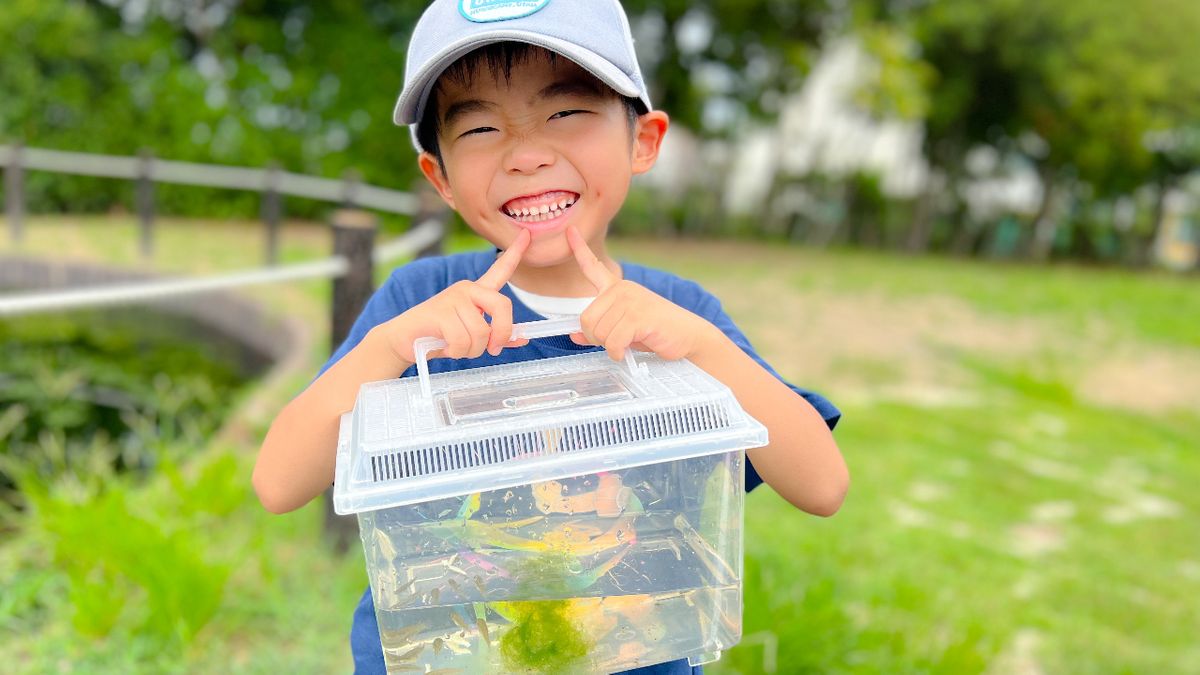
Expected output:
{"points": [[677, 289], [426, 277], [444, 268]]}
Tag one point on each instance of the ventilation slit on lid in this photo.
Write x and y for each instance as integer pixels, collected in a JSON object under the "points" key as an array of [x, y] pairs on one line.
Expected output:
{"points": [[582, 436]]}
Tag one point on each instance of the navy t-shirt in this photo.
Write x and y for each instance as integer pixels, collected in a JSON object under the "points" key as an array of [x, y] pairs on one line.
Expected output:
{"points": [[420, 280]]}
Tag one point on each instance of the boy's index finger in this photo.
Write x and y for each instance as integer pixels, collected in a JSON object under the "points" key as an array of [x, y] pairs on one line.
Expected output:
{"points": [[502, 270], [593, 269]]}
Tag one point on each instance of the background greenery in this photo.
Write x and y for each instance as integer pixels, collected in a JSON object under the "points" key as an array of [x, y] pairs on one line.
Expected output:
{"points": [[1095, 98], [1022, 437], [1010, 512]]}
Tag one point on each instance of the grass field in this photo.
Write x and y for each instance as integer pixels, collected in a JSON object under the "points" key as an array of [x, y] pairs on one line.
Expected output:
{"points": [[1022, 442]]}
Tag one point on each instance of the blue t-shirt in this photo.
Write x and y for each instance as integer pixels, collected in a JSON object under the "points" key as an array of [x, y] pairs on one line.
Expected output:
{"points": [[420, 280]]}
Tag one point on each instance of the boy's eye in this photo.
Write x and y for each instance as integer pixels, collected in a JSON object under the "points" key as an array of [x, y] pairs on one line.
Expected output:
{"points": [[476, 130], [565, 113]]}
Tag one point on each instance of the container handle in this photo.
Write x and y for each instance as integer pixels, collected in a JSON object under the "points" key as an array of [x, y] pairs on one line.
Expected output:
{"points": [[528, 330]]}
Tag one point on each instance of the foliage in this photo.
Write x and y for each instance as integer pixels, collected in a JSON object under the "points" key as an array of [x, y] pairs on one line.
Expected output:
{"points": [[1094, 96], [73, 383], [92, 401], [1078, 89], [716, 64]]}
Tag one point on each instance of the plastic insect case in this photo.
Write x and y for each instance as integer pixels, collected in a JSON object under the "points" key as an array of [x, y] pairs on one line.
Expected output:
{"points": [[568, 515]]}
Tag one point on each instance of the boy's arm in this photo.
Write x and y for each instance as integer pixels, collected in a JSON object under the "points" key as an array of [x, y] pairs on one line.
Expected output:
{"points": [[802, 462], [296, 460]]}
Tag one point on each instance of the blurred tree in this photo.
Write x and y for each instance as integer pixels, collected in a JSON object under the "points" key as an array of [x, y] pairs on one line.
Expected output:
{"points": [[311, 83], [1076, 88], [713, 64]]}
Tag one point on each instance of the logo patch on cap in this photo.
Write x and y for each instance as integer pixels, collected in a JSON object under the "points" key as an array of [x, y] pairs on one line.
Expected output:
{"points": [[483, 11]]}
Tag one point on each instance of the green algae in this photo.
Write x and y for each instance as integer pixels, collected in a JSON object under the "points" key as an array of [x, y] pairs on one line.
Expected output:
{"points": [[543, 637]]}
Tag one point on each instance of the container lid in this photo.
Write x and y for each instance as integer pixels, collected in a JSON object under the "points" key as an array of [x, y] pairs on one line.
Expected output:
{"points": [[507, 425]]}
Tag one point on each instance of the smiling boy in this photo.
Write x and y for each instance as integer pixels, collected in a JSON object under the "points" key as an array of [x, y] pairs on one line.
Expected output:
{"points": [[531, 118]]}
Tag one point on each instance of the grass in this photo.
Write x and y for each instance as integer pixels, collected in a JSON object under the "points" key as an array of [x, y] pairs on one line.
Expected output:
{"points": [[1018, 524]]}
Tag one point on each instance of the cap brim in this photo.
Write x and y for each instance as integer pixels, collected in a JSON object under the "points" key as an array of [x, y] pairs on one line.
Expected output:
{"points": [[417, 89]]}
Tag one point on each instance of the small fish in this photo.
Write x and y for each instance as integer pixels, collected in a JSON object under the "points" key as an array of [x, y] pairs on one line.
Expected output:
{"points": [[435, 594], [455, 586], [459, 620], [438, 645], [385, 545], [675, 549], [407, 632], [412, 654], [705, 552], [483, 629]]}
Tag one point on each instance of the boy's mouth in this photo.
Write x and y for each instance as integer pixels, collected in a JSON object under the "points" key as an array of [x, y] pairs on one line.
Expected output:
{"points": [[536, 208]]}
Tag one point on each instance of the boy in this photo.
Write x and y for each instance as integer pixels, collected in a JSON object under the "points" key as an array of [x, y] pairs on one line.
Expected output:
{"points": [[531, 119]]}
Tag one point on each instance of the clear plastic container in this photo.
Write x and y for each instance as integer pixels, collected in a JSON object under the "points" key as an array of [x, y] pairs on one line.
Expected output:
{"points": [[569, 515]]}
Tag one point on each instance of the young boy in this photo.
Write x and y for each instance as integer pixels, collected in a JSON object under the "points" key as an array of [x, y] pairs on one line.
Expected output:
{"points": [[531, 119]]}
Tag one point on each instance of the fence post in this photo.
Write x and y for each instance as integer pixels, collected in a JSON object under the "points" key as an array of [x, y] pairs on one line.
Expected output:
{"points": [[354, 240], [14, 194], [430, 207], [350, 182], [145, 201], [272, 210]]}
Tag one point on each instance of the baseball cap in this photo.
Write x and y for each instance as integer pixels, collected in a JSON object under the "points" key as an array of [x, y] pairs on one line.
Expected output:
{"points": [[592, 33]]}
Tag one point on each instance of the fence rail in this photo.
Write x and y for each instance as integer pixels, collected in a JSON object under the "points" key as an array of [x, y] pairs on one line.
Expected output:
{"points": [[351, 266], [15, 304], [147, 170], [349, 190]]}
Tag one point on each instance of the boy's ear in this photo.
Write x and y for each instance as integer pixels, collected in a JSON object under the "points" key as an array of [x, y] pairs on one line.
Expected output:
{"points": [[432, 168], [648, 136]]}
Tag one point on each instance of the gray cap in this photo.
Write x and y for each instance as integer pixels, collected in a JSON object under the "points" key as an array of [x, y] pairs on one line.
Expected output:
{"points": [[592, 33]]}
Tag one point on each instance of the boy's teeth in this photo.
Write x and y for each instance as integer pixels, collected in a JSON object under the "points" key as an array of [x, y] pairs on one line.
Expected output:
{"points": [[549, 204], [540, 212]]}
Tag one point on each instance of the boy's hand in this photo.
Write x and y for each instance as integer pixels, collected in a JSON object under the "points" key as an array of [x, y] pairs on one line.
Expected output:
{"points": [[456, 314], [626, 314]]}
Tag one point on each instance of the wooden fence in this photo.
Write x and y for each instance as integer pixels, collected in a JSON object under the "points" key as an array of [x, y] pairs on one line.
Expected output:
{"points": [[147, 170], [351, 265]]}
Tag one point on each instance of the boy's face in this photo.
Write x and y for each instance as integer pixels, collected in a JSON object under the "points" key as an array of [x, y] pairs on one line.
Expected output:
{"points": [[549, 138]]}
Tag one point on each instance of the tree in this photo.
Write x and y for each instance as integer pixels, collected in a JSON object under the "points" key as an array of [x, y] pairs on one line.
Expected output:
{"points": [[1073, 87]]}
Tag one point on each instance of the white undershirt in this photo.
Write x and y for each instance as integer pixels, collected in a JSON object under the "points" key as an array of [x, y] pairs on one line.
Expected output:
{"points": [[550, 306]]}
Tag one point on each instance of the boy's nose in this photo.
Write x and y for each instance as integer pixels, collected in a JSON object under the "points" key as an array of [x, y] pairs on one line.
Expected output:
{"points": [[527, 157]]}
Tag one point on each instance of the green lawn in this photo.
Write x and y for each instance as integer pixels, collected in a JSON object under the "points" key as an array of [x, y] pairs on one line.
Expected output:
{"points": [[1020, 440]]}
